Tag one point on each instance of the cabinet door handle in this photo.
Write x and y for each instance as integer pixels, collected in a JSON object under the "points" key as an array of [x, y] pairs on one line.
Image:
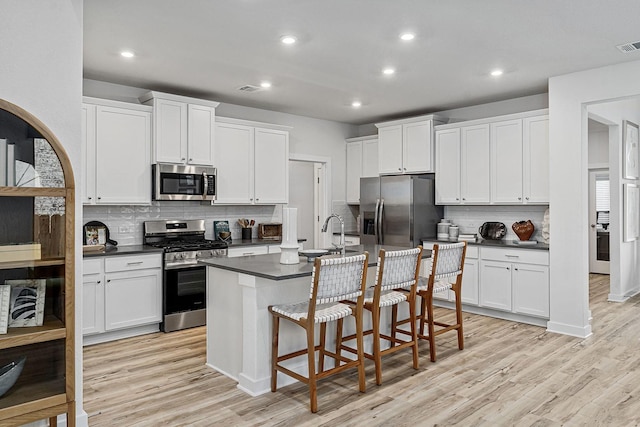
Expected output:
{"points": [[191, 160], [257, 199], [526, 198], [519, 198], [98, 282], [183, 159], [108, 280], [508, 268], [399, 169], [516, 268], [89, 198], [464, 198], [99, 198]]}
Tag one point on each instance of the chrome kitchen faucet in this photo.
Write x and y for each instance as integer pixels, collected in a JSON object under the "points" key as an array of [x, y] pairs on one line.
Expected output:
{"points": [[324, 230]]}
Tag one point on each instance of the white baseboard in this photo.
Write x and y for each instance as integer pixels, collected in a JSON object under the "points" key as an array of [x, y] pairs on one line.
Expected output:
{"points": [[574, 331], [120, 334]]}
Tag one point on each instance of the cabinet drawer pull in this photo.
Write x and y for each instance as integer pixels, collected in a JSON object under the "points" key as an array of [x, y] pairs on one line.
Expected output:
{"points": [[248, 253], [135, 262], [512, 256]]}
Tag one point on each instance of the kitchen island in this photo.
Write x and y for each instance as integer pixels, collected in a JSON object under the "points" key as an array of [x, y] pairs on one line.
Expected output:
{"points": [[239, 291]]}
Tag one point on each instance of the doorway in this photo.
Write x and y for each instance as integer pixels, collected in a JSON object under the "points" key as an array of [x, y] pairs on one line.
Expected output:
{"points": [[309, 192], [599, 208]]}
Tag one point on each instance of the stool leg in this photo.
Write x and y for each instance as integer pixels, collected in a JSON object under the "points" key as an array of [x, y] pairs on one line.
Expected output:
{"points": [[274, 352], [313, 391], [377, 357], [423, 311], [360, 349], [414, 332], [53, 421], [321, 352], [458, 292], [339, 340], [430, 326]]}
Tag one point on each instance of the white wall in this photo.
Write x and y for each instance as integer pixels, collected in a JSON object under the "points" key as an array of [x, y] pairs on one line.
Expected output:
{"points": [[598, 147], [569, 243], [41, 71], [625, 274]]}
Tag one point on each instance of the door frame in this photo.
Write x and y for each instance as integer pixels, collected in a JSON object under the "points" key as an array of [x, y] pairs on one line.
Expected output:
{"points": [[322, 194]]}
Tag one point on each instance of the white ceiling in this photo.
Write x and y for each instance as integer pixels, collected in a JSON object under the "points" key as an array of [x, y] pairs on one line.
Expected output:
{"points": [[209, 48]]}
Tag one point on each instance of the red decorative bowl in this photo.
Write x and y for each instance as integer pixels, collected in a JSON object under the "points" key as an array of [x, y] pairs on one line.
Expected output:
{"points": [[524, 229]]}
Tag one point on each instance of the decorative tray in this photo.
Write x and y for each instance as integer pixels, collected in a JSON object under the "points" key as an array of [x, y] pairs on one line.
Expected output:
{"points": [[492, 230]]}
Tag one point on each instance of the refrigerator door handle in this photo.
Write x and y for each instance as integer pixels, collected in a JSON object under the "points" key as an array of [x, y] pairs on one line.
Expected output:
{"points": [[375, 221], [380, 223]]}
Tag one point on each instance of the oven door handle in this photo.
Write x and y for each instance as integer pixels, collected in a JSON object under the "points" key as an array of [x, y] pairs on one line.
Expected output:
{"points": [[181, 264]]}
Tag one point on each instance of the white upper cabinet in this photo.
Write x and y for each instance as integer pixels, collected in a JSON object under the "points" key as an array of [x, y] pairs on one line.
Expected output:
{"points": [[184, 129], [406, 146], [462, 165], [506, 147], [116, 152], [252, 163], [536, 159], [448, 166], [354, 171], [362, 162], [502, 160]]}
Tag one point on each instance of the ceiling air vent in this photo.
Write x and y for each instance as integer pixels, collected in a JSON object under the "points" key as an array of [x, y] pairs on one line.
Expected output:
{"points": [[629, 47], [249, 88]]}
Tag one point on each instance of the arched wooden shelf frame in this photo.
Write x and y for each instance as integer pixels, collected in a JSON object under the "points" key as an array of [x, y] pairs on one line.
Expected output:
{"points": [[49, 398]]}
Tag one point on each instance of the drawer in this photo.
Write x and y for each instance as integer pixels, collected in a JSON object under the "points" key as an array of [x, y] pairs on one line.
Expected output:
{"points": [[92, 266], [138, 262], [247, 251], [528, 256]]}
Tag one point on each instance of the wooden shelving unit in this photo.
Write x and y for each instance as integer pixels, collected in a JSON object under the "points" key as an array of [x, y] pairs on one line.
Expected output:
{"points": [[46, 387]]}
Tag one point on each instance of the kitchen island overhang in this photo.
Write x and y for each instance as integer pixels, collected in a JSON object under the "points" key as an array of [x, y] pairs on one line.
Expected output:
{"points": [[239, 291]]}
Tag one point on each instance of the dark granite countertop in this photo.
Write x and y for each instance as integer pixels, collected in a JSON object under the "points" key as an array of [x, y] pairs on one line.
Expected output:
{"points": [[124, 250], [500, 244], [268, 266]]}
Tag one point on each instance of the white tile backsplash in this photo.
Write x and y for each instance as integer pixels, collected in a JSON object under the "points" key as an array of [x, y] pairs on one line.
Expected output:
{"points": [[125, 222], [470, 218], [348, 213]]}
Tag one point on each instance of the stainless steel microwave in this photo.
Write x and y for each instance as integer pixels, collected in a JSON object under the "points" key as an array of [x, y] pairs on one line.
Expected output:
{"points": [[180, 182]]}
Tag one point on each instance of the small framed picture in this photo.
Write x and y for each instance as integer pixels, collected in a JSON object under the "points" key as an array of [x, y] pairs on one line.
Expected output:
{"points": [[26, 306], [95, 235], [630, 168]]}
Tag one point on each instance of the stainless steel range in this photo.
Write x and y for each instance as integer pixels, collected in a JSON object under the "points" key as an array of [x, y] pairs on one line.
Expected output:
{"points": [[184, 282]]}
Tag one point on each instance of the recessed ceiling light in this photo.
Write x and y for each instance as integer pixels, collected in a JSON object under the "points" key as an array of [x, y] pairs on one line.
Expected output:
{"points": [[265, 85], [496, 73], [388, 71], [127, 54], [356, 104], [407, 36], [288, 39]]}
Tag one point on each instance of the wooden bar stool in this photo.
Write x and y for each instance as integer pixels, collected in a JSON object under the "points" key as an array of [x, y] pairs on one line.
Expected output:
{"points": [[333, 280], [396, 282], [445, 272]]}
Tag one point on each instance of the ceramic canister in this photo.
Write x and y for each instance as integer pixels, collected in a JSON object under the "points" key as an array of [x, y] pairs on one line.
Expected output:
{"points": [[443, 231], [453, 233]]}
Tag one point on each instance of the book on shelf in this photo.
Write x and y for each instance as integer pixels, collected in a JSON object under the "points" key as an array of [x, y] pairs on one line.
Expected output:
{"points": [[11, 165], [3, 162]]}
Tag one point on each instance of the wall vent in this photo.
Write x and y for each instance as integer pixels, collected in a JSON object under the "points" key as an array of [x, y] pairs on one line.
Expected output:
{"points": [[249, 88], [629, 47]]}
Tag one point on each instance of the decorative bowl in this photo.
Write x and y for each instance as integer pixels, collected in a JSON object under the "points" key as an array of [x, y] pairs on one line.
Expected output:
{"points": [[9, 374], [524, 229], [312, 254], [492, 230]]}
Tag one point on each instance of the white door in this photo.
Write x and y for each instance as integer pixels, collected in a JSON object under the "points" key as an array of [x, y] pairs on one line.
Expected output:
{"points": [[531, 289], [416, 147], [390, 149], [271, 165], [354, 171], [506, 165], [495, 291], [133, 298], [599, 221], [201, 131], [234, 163]]}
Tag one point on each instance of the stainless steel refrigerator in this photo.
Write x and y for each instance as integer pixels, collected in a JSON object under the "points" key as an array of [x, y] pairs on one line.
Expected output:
{"points": [[398, 210]]}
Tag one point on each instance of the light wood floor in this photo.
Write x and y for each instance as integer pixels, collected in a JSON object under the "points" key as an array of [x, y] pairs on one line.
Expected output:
{"points": [[508, 374]]}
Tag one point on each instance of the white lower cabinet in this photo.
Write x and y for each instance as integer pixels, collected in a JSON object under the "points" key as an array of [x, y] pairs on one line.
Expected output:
{"points": [[121, 292], [496, 285], [531, 289], [515, 280]]}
